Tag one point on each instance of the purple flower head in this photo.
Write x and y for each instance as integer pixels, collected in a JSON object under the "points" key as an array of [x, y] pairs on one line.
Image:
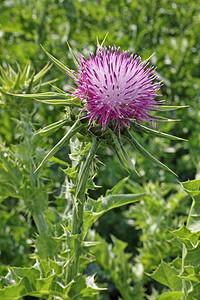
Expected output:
{"points": [[116, 88]]}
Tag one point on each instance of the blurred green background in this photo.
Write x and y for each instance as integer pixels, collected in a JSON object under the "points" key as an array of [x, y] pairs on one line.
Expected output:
{"points": [[170, 30]]}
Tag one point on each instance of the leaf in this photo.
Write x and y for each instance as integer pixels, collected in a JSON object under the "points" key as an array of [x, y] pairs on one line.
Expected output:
{"points": [[192, 187], [94, 209], [191, 273], [85, 168], [31, 272], [45, 83], [169, 108], [41, 95], [116, 262], [114, 201], [163, 119], [68, 102], [26, 72], [168, 276], [46, 246], [72, 131], [42, 73], [38, 288], [17, 81], [145, 153], [55, 126], [195, 292], [74, 56], [115, 190], [187, 237], [192, 257], [122, 155], [151, 131], [60, 65], [171, 296]]}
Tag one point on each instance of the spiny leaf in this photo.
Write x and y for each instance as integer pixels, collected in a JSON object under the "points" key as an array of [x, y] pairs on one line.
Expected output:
{"points": [[190, 273], [55, 126], [163, 119], [168, 276], [68, 102], [185, 236], [94, 209], [144, 152], [58, 90], [118, 148], [39, 287], [40, 95], [192, 257], [116, 152], [46, 83], [146, 60], [30, 83], [84, 170], [26, 72], [42, 73], [76, 127], [17, 81], [169, 108], [195, 292], [5, 76], [113, 201], [192, 187], [171, 296], [115, 190], [12, 73], [74, 57], [121, 152], [60, 65], [155, 132]]}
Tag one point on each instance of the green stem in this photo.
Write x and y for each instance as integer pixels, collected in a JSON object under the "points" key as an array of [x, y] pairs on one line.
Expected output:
{"points": [[78, 211], [184, 252], [40, 222]]}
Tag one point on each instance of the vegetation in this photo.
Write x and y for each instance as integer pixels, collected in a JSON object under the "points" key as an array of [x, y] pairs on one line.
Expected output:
{"points": [[141, 233]]}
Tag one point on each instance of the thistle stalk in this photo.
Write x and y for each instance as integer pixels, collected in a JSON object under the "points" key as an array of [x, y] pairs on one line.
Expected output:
{"points": [[40, 223], [78, 211], [184, 252]]}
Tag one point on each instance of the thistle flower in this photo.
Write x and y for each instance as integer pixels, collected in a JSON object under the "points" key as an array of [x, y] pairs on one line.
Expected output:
{"points": [[116, 88]]}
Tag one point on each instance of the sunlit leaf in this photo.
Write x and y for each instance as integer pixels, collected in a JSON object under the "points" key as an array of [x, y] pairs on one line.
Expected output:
{"points": [[72, 131], [96, 208], [171, 296], [145, 153], [60, 65], [46, 95], [68, 102], [42, 73], [122, 154], [192, 187], [187, 237], [168, 276], [195, 292], [169, 108], [149, 130], [55, 126]]}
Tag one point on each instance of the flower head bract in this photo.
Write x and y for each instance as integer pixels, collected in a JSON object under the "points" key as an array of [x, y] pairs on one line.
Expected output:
{"points": [[116, 88]]}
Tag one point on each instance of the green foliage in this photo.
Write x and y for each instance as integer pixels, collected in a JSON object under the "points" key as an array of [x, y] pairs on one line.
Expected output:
{"points": [[44, 279], [117, 267], [143, 226], [184, 275]]}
